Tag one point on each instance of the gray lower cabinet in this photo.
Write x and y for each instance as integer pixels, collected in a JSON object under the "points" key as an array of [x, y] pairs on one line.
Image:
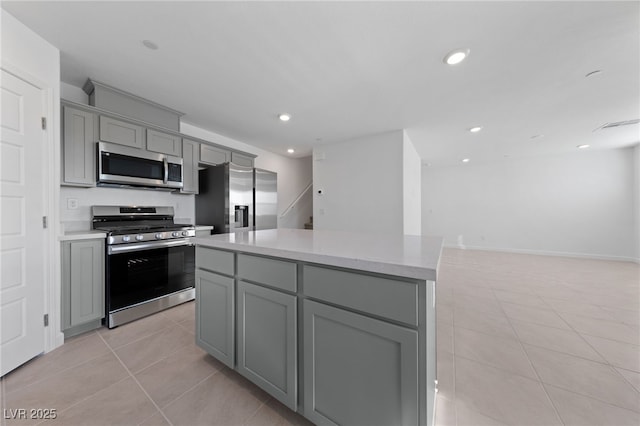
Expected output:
{"points": [[215, 315], [164, 143], [370, 363], [82, 285], [267, 341], [79, 147], [121, 132], [212, 155], [190, 151]]}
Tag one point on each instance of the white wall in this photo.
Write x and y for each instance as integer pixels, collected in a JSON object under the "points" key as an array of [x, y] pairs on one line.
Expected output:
{"points": [[36, 60], [361, 180], [294, 174], [411, 184], [575, 204], [78, 219]]}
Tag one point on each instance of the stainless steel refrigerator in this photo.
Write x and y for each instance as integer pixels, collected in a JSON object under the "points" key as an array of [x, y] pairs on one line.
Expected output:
{"points": [[265, 190], [226, 198]]}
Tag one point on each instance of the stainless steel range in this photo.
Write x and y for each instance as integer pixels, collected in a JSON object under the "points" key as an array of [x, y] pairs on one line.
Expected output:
{"points": [[150, 261]]}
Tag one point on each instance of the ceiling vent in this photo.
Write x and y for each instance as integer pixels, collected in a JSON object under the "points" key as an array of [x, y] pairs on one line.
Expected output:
{"points": [[617, 124]]}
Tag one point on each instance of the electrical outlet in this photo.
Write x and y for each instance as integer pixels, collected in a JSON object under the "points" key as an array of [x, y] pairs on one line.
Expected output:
{"points": [[72, 203]]}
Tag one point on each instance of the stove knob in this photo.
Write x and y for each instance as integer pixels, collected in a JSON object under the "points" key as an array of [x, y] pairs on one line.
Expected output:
{"points": [[159, 236], [126, 239], [139, 237], [185, 233], [175, 234]]}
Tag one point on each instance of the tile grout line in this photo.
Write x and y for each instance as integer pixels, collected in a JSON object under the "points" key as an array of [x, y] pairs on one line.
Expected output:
{"points": [[555, 409], [607, 362], [80, 401], [57, 372], [189, 390], [137, 382], [173, 324]]}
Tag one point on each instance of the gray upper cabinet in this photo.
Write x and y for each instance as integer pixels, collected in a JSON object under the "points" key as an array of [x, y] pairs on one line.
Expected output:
{"points": [[121, 132], [164, 143], [267, 341], [215, 315], [190, 156], [82, 285], [79, 147], [369, 363], [212, 155], [241, 160]]}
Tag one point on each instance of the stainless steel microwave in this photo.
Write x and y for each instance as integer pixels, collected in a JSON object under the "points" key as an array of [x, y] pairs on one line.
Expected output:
{"points": [[120, 165]]}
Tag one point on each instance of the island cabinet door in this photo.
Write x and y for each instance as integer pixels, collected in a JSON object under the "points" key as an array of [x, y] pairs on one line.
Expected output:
{"points": [[358, 370], [267, 346], [215, 315]]}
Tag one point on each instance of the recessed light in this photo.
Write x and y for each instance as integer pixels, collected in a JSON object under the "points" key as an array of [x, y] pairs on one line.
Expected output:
{"points": [[592, 73], [456, 56], [150, 45], [583, 146], [465, 160], [475, 129], [284, 117], [291, 151]]}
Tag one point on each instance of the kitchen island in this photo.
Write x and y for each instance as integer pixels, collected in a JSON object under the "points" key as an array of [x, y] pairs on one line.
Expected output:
{"points": [[338, 326]]}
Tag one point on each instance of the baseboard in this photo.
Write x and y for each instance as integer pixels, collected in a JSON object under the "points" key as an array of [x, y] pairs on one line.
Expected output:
{"points": [[547, 253]]}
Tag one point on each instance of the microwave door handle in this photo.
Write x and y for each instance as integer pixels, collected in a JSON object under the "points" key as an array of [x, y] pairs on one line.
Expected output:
{"points": [[166, 170]]}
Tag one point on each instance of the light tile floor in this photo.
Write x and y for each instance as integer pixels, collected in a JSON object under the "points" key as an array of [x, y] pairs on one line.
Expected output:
{"points": [[522, 340], [537, 340]]}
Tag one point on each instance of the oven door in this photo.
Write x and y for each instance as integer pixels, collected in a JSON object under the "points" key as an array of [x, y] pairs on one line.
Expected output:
{"points": [[138, 273]]}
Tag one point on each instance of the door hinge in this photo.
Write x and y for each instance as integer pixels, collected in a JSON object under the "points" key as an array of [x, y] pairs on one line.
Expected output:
{"points": [[46, 320], [44, 123], [44, 222]]}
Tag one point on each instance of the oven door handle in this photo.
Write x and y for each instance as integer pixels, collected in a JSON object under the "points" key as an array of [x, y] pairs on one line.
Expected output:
{"points": [[127, 248]]}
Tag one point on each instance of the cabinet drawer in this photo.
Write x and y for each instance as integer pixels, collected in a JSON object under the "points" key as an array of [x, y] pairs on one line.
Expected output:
{"points": [[271, 272], [214, 260], [164, 143], [121, 132], [377, 295], [211, 155]]}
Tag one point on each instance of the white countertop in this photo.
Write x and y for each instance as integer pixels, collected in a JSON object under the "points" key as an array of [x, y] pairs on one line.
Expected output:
{"points": [[403, 255], [82, 235]]}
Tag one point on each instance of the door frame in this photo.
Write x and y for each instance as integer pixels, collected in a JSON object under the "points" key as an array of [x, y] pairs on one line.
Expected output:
{"points": [[53, 337]]}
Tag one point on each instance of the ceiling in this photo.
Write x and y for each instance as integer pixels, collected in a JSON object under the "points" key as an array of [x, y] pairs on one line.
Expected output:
{"points": [[348, 69]]}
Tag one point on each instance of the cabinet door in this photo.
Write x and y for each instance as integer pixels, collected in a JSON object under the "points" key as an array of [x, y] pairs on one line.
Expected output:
{"points": [[241, 160], [121, 132], [79, 148], [190, 166], [358, 370], [215, 316], [164, 143], [213, 156], [85, 283], [267, 342], [431, 350]]}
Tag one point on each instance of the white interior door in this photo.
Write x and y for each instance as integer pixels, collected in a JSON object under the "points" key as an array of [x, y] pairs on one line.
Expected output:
{"points": [[21, 232]]}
